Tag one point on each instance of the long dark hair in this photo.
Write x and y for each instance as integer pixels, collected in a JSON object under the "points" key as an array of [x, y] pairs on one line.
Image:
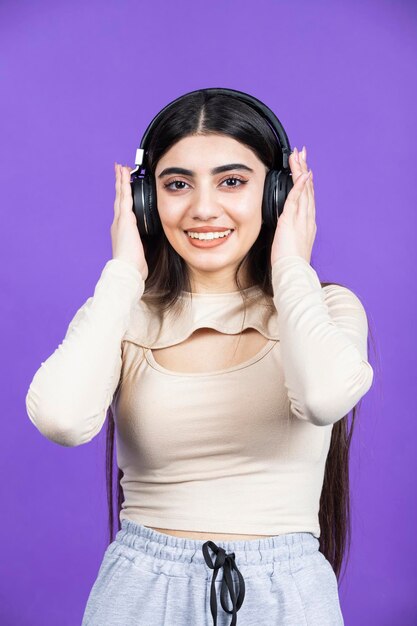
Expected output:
{"points": [[205, 113]]}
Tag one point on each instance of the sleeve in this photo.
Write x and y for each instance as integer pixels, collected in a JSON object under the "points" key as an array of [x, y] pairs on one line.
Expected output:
{"points": [[70, 393], [323, 336]]}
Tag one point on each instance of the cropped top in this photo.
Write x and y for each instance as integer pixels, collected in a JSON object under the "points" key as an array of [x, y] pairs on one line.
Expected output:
{"points": [[239, 450]]}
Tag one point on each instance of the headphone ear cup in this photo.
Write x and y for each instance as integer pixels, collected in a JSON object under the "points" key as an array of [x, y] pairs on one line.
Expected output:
{"points": [[277, 186], [151, 212], [144, 206], [138, 195], [269, 213], [285, 184]]}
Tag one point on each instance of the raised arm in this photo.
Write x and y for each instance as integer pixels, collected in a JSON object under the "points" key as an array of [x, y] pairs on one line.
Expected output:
{"points": [[323, 337], [69, 396], [70, 393]]}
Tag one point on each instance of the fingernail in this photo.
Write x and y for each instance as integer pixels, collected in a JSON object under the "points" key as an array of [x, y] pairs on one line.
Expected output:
{"points": [[304, 153], [296, 155]]}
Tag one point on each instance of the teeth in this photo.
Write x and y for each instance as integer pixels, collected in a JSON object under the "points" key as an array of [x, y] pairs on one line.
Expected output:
{"points": [[211, 235]]}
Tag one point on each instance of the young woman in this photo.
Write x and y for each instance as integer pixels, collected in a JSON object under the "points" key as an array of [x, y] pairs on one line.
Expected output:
{"points": [[228, 375]]}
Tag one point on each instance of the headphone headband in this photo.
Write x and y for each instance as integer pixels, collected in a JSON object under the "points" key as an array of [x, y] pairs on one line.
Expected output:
{"points": [[277, 185], [256, 104]]}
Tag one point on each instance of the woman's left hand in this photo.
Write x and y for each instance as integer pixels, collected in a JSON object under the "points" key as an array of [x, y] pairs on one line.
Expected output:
{"points": [[296, 228]]}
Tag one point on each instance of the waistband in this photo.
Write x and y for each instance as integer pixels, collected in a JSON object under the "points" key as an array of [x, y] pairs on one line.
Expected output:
{"points": [[265, 550], [275, 553]]}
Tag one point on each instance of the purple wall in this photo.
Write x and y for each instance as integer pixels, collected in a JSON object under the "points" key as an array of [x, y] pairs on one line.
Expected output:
{"points": [[80, 82]]}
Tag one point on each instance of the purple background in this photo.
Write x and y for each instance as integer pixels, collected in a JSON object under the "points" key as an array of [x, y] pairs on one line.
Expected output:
{"points": [[80, 82]]}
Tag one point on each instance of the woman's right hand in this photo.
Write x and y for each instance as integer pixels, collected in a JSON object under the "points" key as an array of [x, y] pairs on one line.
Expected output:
{"points": [[126, 241]]}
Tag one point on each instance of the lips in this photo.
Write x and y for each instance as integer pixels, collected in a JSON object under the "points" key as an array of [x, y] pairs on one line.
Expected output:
{"points": [[207, 229], [211, 242]]}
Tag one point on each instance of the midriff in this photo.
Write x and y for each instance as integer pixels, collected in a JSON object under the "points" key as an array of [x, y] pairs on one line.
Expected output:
{"points": [[187, 534], [193, 355]]}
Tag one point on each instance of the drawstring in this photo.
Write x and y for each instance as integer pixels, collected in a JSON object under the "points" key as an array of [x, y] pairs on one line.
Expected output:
{"points": [[228, 560]]}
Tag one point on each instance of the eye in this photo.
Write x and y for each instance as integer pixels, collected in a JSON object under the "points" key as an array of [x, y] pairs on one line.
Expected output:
{"points": [[174, 182], [241, 180]]}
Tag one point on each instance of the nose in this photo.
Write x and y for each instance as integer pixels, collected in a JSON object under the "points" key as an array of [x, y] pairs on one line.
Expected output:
{"points": [[205, 204]]}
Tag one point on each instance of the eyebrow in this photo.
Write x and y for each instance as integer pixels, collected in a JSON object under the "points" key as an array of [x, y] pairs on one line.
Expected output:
{"points": [[215, 170]]}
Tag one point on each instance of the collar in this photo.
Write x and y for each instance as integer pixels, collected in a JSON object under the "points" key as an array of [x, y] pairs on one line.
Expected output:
{"points": [[223, 312]]}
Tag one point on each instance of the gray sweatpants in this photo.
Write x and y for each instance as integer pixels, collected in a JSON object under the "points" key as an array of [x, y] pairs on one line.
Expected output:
{"points": [[148, 578]]}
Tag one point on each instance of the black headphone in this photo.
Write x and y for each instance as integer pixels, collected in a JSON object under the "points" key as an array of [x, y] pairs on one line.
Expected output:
{"points": [[278, 183]]}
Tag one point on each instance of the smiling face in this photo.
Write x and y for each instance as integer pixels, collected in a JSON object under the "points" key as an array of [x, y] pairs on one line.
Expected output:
{"points": [[207, 197]]}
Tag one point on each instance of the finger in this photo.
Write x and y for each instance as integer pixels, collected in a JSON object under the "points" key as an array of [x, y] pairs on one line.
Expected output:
{"points": [[296, 191], [303, 160], [309, 185], [122, 188], [303, 201], [304, 198], [117, 187], [306, 205], [301, 183], [305, 169], [311, 201], [309, 197], [295, 165], [126, 199]]}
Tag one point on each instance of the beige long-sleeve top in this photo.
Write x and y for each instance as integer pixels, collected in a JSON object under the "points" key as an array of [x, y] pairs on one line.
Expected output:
{"points": [[240, 450]]}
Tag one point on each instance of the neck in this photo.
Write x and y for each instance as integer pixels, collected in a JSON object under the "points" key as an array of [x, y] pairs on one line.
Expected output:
{"points": [[217, 282]]}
